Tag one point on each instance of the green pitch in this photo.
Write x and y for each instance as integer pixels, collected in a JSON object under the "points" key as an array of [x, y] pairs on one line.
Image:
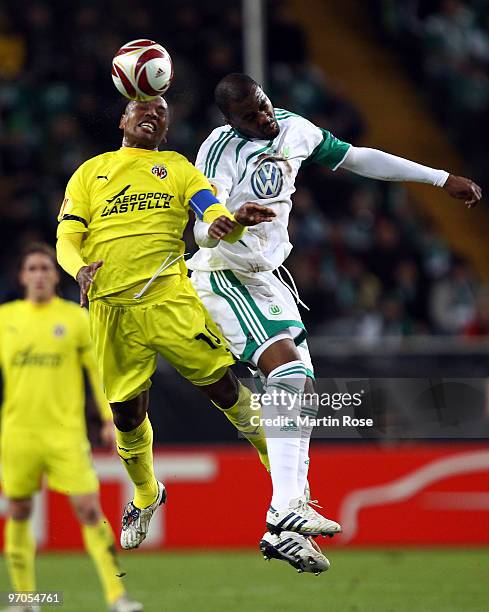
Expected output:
{"points": [[442, 580]]}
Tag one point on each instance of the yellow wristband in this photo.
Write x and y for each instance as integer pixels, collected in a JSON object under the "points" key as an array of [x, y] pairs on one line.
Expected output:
{"points": [[218, 210]]}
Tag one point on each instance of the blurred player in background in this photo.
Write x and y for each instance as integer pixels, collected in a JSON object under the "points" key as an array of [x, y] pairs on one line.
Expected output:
{"points": [[121, 236], [257, 155], [44, 347]]}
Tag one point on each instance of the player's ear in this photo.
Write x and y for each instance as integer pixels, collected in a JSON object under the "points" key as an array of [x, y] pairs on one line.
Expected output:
{"points": [[122, 122]]}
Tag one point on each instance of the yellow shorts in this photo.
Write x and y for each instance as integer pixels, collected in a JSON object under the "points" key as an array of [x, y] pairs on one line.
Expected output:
{"points": [[172, 322], [27, 456]]}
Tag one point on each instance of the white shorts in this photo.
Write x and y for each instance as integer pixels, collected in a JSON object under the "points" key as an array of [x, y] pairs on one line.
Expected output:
{"points": [[250, 308]]}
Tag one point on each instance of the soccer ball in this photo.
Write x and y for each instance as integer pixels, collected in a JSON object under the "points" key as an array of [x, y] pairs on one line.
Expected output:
{"points": [[142, 70]]}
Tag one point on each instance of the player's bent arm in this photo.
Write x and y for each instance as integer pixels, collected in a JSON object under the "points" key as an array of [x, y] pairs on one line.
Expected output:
{"points": [[68, 252], [214, 212], [202, 237], [208, 209], [223, 227], [376, 164]]}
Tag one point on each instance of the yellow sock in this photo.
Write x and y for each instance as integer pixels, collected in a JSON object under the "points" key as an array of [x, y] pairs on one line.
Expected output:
{"points": [[99, 543], [240, 415], [20, 551], [135, 448]]}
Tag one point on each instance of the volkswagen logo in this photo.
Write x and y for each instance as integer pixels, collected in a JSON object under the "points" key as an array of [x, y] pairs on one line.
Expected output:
{"points": [[267, 180]]}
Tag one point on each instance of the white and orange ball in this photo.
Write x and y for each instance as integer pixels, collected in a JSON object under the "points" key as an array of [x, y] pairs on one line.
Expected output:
{"points": [[142, 70]]}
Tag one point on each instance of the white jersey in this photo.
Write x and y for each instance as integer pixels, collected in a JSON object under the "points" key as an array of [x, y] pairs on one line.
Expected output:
{"points": [[244, 170]]}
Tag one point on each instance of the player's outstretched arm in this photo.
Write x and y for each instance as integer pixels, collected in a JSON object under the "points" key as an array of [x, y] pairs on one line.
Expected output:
{"points": [[376, 164]]}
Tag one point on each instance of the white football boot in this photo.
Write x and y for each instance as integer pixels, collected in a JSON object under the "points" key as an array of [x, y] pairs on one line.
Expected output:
{"points": [[300, 552], [135, 521], [126, 604], [300, 518]]}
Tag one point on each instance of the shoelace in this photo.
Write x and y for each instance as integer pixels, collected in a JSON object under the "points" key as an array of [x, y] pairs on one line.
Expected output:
{"points": [[166, 264], [293, 289], [314, 502], [309, 512]]}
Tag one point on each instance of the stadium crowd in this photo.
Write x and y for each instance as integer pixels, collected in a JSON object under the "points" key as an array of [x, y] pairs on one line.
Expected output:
{"points": [[364, 261], [450, 40]]}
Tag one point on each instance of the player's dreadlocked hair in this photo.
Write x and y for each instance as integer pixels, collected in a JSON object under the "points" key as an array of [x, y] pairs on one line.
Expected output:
{"points": [[234, 87]]}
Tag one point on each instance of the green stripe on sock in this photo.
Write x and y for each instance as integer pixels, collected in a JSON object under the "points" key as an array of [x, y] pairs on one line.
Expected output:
{"points": [[291, 370], [285, 387]]}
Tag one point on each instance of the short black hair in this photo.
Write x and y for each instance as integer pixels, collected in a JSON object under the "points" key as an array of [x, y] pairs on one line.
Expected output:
{"points": [[234, 87], [42, 248]]}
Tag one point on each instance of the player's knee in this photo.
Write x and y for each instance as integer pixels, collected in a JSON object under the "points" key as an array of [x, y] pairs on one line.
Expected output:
{"points": [[125, 422], [20, 509], [90, 516], [131, 413], [224, 393], [88, 511]]}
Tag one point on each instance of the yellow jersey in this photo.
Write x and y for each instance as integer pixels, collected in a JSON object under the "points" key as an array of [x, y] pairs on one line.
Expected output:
{"points": [[43, 350], [133, 206]]}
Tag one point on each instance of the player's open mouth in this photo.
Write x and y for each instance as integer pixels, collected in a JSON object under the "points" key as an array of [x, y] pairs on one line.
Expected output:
{"points": [[148, 126]]}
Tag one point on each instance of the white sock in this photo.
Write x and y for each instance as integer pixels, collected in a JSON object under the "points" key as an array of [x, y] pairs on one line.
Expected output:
{"points": [[309, 408], [284, 384]]}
